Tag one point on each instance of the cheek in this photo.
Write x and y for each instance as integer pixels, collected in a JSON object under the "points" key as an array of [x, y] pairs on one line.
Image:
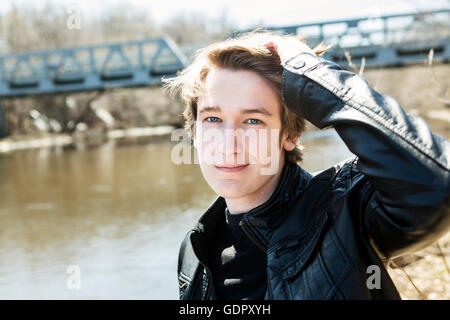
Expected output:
{"points": [[208, 142], [206, 171], [267, 143]]}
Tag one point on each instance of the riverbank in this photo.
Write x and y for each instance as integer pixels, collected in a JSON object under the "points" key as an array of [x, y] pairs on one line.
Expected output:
{"points": [[148, 114], [86, 139], [437, 119]]}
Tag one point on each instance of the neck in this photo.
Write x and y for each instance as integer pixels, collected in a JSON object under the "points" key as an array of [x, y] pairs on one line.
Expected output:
{"points": [[247, 203]]}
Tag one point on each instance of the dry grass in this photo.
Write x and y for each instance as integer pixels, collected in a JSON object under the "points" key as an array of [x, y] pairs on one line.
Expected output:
{"points": [[421, 90], [427, 278]]}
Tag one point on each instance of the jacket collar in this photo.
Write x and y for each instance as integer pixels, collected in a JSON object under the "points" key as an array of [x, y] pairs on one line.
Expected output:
{"points": [[293, 180], [263, 219]]}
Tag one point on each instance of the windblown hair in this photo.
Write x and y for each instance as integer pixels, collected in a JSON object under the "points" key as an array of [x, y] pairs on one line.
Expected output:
{"points": [[246, 52]]}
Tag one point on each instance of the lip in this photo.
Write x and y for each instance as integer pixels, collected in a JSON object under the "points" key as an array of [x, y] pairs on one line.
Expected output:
{"points": [[233, 168]]}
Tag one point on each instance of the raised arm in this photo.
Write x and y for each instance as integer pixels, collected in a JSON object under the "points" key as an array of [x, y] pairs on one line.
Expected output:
{"points": [[404, 205]]}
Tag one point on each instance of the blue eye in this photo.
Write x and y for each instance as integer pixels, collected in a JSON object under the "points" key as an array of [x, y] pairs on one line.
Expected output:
{"points": [[212, 119], [254, 121]]}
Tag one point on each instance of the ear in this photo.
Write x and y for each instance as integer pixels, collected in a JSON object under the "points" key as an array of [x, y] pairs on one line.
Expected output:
{"points": [[290, 143]]}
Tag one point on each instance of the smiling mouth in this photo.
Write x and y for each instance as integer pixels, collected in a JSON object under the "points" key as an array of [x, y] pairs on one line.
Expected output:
{"points": [[232, 168]]}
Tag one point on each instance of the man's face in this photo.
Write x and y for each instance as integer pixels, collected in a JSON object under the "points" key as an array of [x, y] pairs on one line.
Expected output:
{"points": [[237, 133]]}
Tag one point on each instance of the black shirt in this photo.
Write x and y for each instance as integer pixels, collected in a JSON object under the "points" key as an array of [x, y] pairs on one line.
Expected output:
{"points": [[239, 266]]}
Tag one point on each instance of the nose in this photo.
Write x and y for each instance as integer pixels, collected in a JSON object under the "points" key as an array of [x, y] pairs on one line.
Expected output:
{"points": [[231, 147]]}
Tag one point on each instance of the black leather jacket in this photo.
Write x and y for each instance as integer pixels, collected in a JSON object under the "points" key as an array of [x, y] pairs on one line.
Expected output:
{"points": [[391, 198]]}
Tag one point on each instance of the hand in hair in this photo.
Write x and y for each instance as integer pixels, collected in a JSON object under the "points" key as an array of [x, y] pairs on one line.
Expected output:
{"points": [[288, 47]]}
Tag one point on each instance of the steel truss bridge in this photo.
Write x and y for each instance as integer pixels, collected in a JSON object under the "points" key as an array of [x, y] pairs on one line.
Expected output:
{"points": [[380, 41], [376, 41]]}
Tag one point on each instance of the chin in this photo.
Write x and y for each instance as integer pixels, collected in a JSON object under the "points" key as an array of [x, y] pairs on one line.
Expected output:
{"points": [[234, 185], [229, 189]]}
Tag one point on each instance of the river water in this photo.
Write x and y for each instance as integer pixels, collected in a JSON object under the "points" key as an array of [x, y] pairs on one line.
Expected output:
{"points": [[117, 213]]}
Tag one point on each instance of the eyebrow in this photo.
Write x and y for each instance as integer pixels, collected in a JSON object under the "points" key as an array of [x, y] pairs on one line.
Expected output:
{"points": [[245, 111]]}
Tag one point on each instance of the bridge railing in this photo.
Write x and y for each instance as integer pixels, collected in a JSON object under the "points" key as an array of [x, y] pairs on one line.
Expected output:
{"points": [[380, 40], [371, 30], [135, 63], [375, 41]]}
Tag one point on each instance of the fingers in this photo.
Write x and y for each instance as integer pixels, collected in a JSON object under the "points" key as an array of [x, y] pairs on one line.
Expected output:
{"points": [[271, 45], [287, 47]]}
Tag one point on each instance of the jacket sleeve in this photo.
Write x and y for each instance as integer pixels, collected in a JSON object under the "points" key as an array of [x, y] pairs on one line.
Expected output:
{"points": [[404, 203]]}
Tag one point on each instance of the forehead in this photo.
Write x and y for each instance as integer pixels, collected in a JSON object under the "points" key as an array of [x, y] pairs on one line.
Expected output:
{"points": [[233, 90]]}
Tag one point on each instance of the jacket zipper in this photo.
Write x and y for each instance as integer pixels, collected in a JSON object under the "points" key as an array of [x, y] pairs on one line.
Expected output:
{"points": [[210, 277], [208, 289], [263, 249]]}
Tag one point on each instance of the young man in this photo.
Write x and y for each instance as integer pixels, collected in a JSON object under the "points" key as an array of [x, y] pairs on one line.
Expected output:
{"points": [[276, 231]]}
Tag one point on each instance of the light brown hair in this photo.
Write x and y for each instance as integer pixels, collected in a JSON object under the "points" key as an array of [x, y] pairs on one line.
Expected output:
{"points": [[246, 52]]}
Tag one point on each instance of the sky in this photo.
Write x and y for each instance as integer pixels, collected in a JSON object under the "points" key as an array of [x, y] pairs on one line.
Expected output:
{"points": [[246, 13]]}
